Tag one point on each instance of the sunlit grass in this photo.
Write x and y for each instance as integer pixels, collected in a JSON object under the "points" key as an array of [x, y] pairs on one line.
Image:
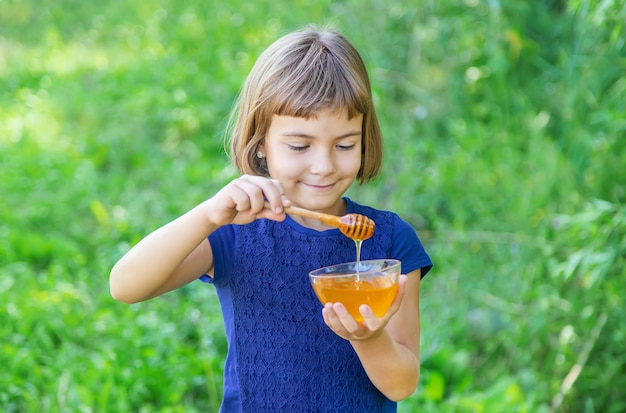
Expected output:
{"points": [[501, 123]]}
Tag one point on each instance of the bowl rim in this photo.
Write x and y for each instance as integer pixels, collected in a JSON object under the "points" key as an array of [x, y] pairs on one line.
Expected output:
{"points": [[325, 272]]}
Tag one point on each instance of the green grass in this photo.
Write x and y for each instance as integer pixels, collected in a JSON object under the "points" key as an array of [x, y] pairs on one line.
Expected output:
{"points": [[505, 136]]}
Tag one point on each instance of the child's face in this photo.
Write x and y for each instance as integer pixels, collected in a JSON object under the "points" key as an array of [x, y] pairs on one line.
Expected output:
{"points": [[316, 159]]}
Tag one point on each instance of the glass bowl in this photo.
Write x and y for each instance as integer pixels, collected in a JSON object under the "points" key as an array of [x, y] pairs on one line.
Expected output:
{"points": [[372, 282]]}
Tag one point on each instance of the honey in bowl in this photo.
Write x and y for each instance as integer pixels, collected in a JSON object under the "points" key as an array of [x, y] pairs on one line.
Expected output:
{"points": [[373, 282]]}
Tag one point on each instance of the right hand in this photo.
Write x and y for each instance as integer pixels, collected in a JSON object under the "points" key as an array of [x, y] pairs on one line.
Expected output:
{"points": [[243, 200]]}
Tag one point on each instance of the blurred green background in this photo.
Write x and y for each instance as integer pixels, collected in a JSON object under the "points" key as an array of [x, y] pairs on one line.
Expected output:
{"points": [[505, 133]]}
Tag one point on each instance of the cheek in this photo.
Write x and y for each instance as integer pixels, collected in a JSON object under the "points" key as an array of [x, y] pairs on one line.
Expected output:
{"points": [[351, 165], [285, 168]]}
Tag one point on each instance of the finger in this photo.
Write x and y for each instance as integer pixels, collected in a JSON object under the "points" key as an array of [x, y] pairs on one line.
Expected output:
{"points": [[271, 190], [346, 319], [330, 317], [333, 319], [279, 186], [250, 197], [370, 320], [375, 323], [236, 195], [275, 195]]}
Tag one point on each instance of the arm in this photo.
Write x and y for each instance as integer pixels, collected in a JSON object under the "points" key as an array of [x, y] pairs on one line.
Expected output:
{"points": [[388, 347], [179, 252]]}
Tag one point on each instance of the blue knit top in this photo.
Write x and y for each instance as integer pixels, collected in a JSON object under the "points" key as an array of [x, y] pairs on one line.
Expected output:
{"points": [[281, 355]]}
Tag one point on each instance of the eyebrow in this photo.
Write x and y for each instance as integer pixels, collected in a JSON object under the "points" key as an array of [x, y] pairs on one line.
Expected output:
{"points": [[305, 135]]}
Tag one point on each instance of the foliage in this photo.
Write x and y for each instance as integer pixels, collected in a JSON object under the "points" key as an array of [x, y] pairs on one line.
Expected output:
{"points": [[504, 125]]}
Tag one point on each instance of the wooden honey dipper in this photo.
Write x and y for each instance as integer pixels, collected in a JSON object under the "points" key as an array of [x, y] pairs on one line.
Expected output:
{"points": [[353, 226]]}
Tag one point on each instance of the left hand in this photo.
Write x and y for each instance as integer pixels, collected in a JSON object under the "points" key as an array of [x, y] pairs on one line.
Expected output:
{"points": [[336, 317]]}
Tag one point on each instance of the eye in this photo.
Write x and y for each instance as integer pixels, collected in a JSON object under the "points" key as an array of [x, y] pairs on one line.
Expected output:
{"points": [[345, 147], [296, 148]]}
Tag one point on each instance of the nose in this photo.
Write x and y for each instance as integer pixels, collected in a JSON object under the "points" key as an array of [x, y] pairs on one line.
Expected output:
{"points": [[322, 163]]}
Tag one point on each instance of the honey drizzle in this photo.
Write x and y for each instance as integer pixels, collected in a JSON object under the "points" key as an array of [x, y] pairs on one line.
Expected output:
{"points": [[358, 243]]}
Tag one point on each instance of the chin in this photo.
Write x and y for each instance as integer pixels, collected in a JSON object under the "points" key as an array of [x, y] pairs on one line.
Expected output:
{"points": [[323, 205]]}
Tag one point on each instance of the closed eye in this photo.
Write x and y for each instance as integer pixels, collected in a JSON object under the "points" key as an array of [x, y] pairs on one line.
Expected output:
{"points": [[298, 148], [346, 147]]}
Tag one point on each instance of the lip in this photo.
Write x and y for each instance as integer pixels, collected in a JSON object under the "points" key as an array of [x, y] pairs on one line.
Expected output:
{"points": [[320, 188]]}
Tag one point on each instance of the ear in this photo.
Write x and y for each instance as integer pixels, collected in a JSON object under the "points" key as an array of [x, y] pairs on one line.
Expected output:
{"points": [[260, 151], [260, 160]]}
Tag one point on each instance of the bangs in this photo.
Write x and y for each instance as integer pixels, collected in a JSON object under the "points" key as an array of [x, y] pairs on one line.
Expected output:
{"points": [[314, 79]]}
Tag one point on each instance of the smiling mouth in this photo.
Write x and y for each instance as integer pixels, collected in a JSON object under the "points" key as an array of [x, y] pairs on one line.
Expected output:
{"points": [[320, 187]]}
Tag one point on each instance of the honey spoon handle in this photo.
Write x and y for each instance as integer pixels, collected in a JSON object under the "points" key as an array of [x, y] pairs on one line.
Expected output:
{"points": [[332, 220]]}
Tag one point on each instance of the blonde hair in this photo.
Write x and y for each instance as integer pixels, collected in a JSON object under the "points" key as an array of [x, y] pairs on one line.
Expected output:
{"points": [[300, 75]]}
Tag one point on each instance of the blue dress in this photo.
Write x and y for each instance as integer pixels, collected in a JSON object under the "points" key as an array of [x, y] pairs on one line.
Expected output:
{"points": [[281, 355]]}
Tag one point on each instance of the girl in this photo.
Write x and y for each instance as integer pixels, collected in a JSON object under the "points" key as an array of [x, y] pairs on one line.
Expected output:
{"points": [[304, 130]]}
